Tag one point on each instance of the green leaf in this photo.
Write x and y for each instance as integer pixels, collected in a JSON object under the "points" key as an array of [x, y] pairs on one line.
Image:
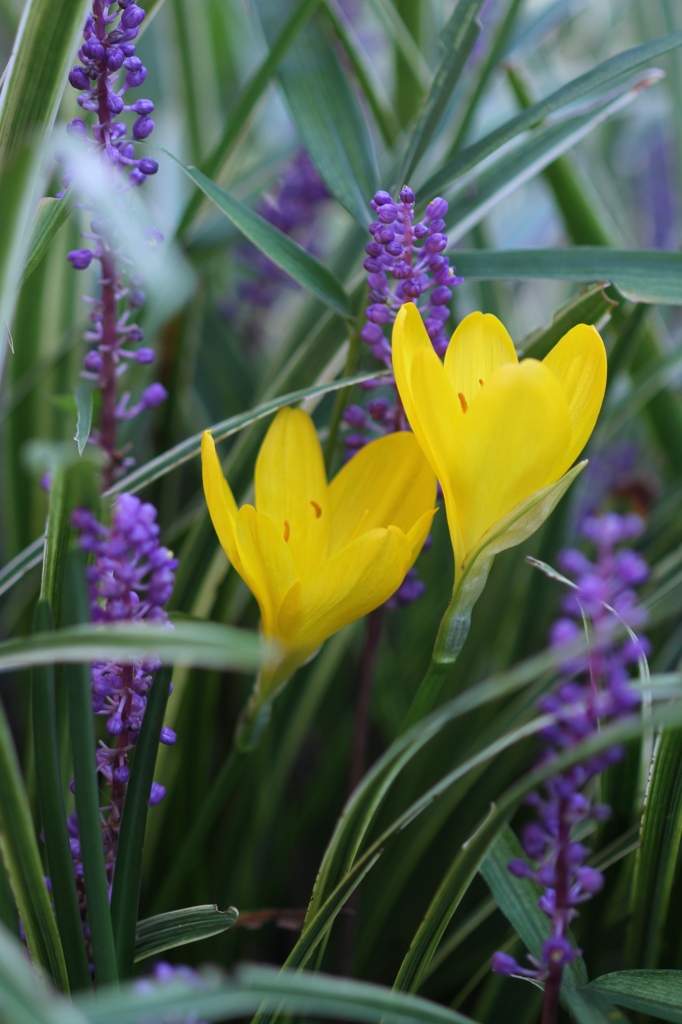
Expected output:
{"points": [[641, 275], [125, 890], [215, 997], [42, 54], [608, 75], [468, 861], [590, 306], [292, 258], [86, 782], [660, 835], [658, 993], [330, 120], [50, 216], [36, 76], [53, 814], [20, 853], [155, 935], [84, 392], [205, 644], [23, 998], [496, 181], [247, 101], [458, 38]]}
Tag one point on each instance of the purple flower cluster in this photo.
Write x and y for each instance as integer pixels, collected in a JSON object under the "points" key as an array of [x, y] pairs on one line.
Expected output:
{"points": [[421, 272], [130, 579], [595, 689], [107, 53]]}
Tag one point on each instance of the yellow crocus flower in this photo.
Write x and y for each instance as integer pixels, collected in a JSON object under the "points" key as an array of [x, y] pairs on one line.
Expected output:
{"points": [[317, 555], [496, 431]]}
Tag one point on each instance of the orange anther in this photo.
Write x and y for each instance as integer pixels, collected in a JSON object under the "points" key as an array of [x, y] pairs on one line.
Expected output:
{"points": [[318, 510], [462, 401], [287, 531]]}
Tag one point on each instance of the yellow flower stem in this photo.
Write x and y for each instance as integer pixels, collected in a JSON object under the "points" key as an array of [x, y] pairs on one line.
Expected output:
{"points": [[452, 632]]}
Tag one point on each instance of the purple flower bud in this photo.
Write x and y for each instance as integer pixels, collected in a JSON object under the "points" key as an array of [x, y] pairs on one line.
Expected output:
{"points": [[420, 230], [381, 198], [394, 249], [93, 362], [371, 265], [128, 49], [135, 78], [157, 794], [406, 195], [115, 103], [436, 209], [388, 213], [80, 259], [121, 774], [379, 314], [144, 356], [402, 270], [371, 333], [504, 964], [440, 296], [78, 78], [137, 298], [77, 128], [412, 289], [154, 395], [384, 234], [591, 880], [355, 416], [115, 58], [136, 177], [168, 736], [143, 107], [435, 243], [93, 50], [132, 16], [557, 950], [114, 725], [143, 127]]}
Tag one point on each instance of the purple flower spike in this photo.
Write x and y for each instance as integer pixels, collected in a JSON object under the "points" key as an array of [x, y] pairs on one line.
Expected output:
{"points": [[130, 579], [596, 689], [106, 52]]}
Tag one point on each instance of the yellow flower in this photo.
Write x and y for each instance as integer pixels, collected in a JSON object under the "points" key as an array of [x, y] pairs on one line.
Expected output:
{"points": [[495, 430], [318, 556]]}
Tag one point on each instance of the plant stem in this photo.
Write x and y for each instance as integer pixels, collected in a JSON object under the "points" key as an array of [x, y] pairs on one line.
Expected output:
{"points": [[364, 699]]}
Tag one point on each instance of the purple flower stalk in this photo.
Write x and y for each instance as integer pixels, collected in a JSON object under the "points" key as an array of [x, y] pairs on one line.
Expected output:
{"points": [[405, 262], [596, 689], [108, 70], [130, 579]]}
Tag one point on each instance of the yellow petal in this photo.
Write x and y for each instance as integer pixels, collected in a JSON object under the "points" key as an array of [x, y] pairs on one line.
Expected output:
{"points": [[352, 583], [479, 346], [222, 507], [442, 417], [410, 337], [509, 445], [419, 532], [579, 363], [291, 487], [388, 482], [267, 566]]}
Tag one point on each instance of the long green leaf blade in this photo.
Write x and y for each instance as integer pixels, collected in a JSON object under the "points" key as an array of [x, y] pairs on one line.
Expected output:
{"points": [[53, 815], [459, 36], [288, 255], [22, 860], [641, 275], [658, 993], [125, 891], [158, 934]]}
